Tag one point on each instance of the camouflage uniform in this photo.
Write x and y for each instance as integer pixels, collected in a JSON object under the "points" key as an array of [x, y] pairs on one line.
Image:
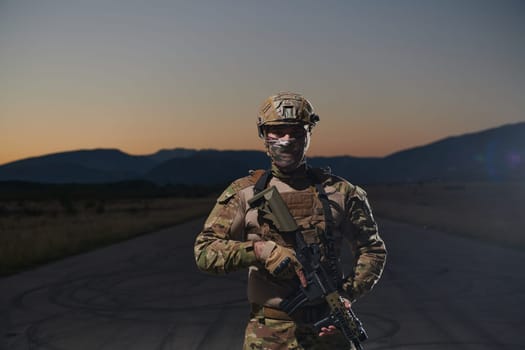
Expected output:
{"points": [[226, 244]]}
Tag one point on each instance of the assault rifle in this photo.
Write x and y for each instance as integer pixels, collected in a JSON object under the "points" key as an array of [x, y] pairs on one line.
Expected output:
{"points": [[320, 285]]}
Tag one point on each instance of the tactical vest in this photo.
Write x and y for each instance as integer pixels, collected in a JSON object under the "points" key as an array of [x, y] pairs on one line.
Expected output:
{"points": [[311, 210]]}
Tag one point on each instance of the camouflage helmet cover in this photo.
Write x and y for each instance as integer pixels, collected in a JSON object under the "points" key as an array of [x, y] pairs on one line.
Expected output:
{"points": [[286, 108]]}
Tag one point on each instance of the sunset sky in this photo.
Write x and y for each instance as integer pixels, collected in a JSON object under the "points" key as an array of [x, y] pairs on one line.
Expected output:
{"points": [[146, 75]]}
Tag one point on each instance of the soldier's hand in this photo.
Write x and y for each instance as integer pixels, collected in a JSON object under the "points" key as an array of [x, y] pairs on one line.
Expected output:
{"points": [[331, 329], [280, 261]]}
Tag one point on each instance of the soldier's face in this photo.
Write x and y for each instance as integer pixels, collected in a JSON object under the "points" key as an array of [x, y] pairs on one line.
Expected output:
{"points": [[286, 145]]}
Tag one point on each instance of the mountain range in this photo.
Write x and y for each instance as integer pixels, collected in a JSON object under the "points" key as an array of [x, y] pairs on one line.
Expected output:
{"points": [[496, 154]]}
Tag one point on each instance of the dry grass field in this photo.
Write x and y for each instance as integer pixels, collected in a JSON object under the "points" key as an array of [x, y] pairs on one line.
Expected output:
{"points": [[494, 212], [37, 231]]}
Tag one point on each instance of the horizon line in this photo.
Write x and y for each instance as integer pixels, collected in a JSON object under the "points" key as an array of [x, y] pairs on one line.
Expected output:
{"points": [[257, 150]]}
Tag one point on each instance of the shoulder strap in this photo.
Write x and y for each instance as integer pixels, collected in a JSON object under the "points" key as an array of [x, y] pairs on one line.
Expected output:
{"points": [[262, 182], [328, 236]]}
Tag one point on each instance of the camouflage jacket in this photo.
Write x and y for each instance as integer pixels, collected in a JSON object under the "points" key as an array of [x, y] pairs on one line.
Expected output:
{"points": [[226, 242]]}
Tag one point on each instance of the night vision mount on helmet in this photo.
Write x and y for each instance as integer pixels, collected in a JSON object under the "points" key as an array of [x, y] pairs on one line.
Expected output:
{"points": [[286, 108]]}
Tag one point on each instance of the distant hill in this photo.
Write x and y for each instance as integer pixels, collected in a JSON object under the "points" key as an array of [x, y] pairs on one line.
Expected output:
{"points": [[496, 154], [87, 166], [84, 166], [493, 154], [208, 167], [167, 154]]}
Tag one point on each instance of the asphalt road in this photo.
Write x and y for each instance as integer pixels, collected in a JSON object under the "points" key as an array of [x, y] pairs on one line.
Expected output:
{"points": [[437, 292]]}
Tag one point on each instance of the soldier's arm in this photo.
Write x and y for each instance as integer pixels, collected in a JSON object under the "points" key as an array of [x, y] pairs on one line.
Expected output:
{"points": [[369, 249], [219, 247]]}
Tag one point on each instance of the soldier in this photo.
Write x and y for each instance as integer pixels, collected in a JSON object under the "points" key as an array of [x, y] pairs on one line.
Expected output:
{"points": [[236, 237]]}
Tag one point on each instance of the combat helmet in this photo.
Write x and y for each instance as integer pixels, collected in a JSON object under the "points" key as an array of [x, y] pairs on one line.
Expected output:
{"points": [[286, 108]]}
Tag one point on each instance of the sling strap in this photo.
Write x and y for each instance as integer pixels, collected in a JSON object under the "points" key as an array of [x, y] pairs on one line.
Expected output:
{"points": [[328, 235], [328, 238], [262, 182]]}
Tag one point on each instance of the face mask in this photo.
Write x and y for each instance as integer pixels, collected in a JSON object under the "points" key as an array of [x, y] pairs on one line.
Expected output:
{"points": [[287, 155]]}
